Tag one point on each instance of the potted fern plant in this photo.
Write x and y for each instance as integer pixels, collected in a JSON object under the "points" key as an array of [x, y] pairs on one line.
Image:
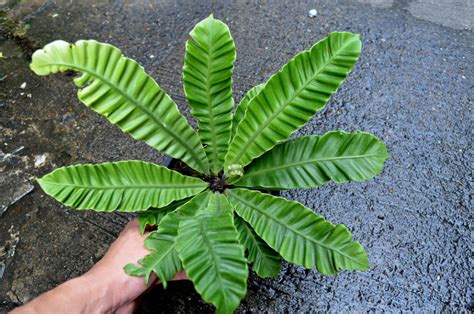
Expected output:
{"points": [[216, 221]]}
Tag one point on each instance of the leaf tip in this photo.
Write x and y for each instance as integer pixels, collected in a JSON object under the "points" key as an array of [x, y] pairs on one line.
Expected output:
{"points": [[34, 65], [384, 153], [147, 278]]}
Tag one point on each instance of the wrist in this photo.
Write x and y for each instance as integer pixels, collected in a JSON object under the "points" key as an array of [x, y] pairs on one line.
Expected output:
{"points": [[103, 289], [114, 287], [79, 295], [96, 292]]}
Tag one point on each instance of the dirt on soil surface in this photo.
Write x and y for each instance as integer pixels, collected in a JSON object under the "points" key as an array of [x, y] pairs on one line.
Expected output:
{"points": [[412, 87]]}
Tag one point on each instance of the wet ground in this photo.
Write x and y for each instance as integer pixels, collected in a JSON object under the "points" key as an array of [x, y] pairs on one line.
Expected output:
{"points": [[412, 87]]}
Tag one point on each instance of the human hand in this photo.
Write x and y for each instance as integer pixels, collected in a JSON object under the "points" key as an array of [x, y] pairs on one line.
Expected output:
{"points": [[124, 289], [106, 288]]}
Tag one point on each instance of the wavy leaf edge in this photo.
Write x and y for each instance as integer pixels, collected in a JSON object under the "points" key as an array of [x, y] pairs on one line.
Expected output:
{"points": [[255, 174], [235, 158], [196, 159], [48, 180]]}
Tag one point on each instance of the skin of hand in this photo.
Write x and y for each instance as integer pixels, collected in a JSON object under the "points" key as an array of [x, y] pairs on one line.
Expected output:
{"points": [[105, 288]]}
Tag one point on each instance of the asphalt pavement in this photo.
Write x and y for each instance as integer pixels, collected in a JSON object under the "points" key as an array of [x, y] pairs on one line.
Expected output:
{"points": [[412, 87]]}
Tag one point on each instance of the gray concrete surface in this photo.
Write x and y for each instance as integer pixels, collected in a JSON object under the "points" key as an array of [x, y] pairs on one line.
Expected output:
{"points": [[412, 87]]}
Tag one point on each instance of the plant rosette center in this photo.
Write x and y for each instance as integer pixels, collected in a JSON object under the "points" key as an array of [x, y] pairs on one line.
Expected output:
{"points": [[217, 183]]}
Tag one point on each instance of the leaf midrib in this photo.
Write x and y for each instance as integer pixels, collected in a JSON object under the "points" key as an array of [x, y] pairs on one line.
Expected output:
{"points": [[215, 151], [213, 257], [243, 200], [301, 163], [188, 148], [131, 187], [281, 108], [162, 256]]}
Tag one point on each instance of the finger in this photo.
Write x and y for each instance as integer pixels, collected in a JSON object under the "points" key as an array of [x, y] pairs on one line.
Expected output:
{"points": [[133, 224], [180, 276]]}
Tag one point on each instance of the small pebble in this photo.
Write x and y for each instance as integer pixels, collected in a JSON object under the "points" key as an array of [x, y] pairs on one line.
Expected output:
{"points": [[152, 56], [312, 13], [40, 160], [23, 86]]}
